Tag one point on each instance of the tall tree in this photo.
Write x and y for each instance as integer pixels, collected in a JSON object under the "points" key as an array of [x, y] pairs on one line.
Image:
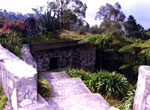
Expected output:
{"points": [[132, 29], [73, 10], [112, 16]]}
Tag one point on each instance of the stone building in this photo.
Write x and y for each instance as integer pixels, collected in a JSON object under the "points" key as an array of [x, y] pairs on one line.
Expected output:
{"points": [[56, 55]]}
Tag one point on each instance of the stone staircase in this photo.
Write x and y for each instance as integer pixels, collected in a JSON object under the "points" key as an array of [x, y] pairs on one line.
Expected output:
{"points": [[68, 94], [40, 105], [72, 94]]}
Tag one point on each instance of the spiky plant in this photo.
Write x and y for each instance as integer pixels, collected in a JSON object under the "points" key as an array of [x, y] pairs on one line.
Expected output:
{"points": [[49, 23]]}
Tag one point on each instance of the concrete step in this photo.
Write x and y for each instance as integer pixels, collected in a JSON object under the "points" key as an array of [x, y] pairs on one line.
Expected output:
{"points": [[40, 105], [55, 75], [68, 87], [35, 106], [79, 102]]}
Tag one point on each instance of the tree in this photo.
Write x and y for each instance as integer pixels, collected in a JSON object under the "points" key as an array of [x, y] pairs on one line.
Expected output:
{"points": [[94, 29], [68, 19], [112, 16], [2, 20], [12, 16], [37, 12], [108, 44], [68, 10], [132, 29]]}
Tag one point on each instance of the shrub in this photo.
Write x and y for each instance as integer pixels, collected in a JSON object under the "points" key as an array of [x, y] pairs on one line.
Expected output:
{"points": [[128, 100], [3, 98], [82, 31], [103, 82], [44, 87], [15, 26], [50, 37], [95, 29], [112, 83], [11, 41]]}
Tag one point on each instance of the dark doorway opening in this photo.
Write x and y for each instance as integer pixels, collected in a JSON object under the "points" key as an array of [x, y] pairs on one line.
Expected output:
{"points": [[54, 63]]}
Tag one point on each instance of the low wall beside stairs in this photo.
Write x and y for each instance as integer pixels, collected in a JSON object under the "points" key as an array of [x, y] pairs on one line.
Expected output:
{"points": [[18, 78]]}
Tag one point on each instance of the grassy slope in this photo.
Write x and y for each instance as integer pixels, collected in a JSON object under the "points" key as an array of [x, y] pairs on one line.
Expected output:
{"points": [[72, 35]]}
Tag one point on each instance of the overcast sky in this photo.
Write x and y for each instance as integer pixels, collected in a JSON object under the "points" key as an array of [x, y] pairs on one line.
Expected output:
{"points": [[140, 9]]}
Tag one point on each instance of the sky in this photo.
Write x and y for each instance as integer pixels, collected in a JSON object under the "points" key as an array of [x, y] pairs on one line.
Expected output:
{"points": [[140, 9]]}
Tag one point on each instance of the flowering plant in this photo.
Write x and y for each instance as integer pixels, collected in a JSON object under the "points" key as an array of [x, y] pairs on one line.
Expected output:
{"points": [[14, 26]]}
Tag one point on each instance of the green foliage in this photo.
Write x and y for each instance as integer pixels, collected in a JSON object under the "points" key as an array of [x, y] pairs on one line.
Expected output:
{"points": [[70, 12], [46, 38], [102, 82], [95, 29], [3, 102], [49, 23], [82, 31], [109, 36], [68, 19], [128, 100], [134, 30], [44, 87], [11, 41], [136, 53], [3, 98], [112, 84], [147, 34], [112, 16], [90, 39], [119, 53]]}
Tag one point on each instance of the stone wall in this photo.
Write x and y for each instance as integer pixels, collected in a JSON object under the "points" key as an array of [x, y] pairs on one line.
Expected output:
{"points": [[82, 56], [18, 78], [142, 96], [27, 56]]}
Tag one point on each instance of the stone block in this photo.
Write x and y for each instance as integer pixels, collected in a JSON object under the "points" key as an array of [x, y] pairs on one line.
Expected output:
{"points": [[19, 80], [142, 95]]}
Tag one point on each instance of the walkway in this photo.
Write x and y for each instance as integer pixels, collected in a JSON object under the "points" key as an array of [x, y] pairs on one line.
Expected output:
{"points": [[72, 94]]}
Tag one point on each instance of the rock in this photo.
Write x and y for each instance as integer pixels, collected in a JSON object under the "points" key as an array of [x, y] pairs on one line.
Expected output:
{"points": [[30, 27]]}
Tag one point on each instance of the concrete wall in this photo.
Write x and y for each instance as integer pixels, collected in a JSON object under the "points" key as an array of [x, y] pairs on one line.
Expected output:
{"points": [[82, 56], [18, 78]]}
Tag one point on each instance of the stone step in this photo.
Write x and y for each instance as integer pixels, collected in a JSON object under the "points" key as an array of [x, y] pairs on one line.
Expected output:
{"points": [[55, 75], [35, 106], [67, 87], [79, 102], [40, 105]]}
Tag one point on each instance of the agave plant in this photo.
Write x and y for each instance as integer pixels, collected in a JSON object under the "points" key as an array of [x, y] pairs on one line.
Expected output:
{"points": [[49, 23]]}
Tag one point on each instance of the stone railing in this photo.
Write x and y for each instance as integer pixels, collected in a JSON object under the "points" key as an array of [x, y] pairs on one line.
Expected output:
{"points": [[27, 56], [142, 96], [18, 78]]}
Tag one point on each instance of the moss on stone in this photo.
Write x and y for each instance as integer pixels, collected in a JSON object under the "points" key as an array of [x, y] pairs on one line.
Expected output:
{"points": [[44, 87], [3, 98]]}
